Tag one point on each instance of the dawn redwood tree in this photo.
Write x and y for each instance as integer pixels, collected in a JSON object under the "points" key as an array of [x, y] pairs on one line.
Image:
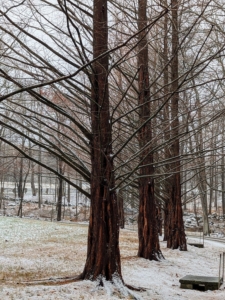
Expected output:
{"points": [[166, 121], [60, 190], [149, 247], [103, 255], [176, 234]]}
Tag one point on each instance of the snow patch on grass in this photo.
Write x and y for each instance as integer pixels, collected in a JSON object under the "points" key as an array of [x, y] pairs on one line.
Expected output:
{"points": [[32, 249]]}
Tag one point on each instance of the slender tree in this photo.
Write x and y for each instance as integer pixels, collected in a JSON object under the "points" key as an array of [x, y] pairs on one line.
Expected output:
{"points": [[149, 247], [176, 235]]}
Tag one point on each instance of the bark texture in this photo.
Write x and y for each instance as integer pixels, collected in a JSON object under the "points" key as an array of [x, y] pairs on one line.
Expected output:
{"points": [[121, 210], [166, 121], [166, 220], [149, 247], [103, 256], [176, 238]]}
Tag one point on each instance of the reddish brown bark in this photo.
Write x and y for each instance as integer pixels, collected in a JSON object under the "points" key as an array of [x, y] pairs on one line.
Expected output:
{"points": [[149, 247], [176, 234], [166, 221], [121, 210], [159, 219], [166, 122], [103, 255]]}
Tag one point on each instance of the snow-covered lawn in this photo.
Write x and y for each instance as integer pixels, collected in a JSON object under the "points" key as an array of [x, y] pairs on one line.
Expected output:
{"points": [[33, 249]]}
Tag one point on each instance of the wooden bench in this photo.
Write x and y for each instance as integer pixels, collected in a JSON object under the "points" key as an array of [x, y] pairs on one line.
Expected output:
{"points": [[202, 283]]}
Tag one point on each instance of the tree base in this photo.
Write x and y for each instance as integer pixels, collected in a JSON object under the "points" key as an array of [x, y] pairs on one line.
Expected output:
{"points": [[156, 256], [114, 287]]}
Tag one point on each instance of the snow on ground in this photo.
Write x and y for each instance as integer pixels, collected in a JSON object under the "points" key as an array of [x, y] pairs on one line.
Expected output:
{"points": [[32, 249]]}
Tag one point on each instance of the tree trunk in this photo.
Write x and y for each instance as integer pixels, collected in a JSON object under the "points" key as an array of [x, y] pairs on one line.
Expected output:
{"points": [[195, 212], [176, 239], [159, 220], [149, 247], [166, 122], [33, 189], [23, 185], [39, 181], [59, 200], [60, 191], [32, 183], [211, 182], [121, 210], [68, 193], [216, 192], [166, 221], [103, 255], [20, 182]]}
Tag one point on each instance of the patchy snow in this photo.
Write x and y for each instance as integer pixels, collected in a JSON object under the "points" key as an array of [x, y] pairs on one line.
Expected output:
{"points": [[32, 249]]}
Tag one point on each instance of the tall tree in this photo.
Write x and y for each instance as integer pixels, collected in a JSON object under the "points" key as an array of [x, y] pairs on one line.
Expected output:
{"points": [[149, 247], [103, 255], [176, 235]]}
